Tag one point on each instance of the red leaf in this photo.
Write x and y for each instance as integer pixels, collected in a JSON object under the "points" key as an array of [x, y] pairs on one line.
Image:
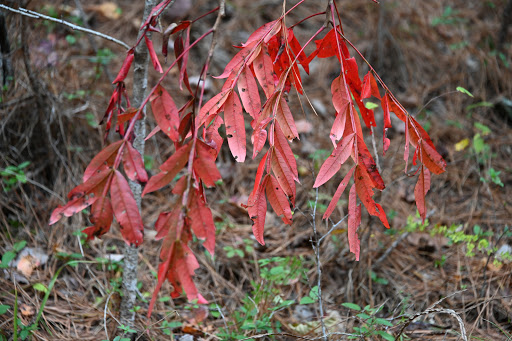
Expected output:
{"points": [[278, 200], [338, 127], [354, 220], [364, 187], [202, 222], [283, 174], [248, 90], [102, 160], [340, 95], [126, 210], [420, 191], [369, 86], [212, 136], [83, 195], [204, 164], [258, 138], [366, 159], [257, 209], [328, 47], [429, 155], [133, 164], [101, 217], [387, 123], [165, 112], [285, 120], [237, 62], [296, 48], [264, 71], [169, 168], [125, 68], [407, 140], [179, 48], [212, 106], [264, 32], [341, 188], [235, 127], [184, 266], [382, 216], [281, 144], [259, 175], [335, 160], [152, 54]]}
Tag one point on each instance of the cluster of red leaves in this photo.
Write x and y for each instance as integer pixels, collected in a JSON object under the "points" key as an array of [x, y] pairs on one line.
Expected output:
{"points": [[269, 58]]}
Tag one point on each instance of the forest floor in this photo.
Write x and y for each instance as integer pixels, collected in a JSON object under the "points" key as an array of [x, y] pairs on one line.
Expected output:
{"points": [[414, 281]]}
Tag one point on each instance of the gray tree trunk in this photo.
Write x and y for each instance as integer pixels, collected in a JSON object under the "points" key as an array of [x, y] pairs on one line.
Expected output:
{"points": [[140, 83]]}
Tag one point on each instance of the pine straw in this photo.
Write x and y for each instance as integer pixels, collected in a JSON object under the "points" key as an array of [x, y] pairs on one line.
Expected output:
{"points": [[411, 54]]}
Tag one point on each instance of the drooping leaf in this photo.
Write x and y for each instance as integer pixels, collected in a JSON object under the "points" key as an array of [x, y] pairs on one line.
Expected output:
{"points": [[259, 175], [340, 95], [278, 200], [281, 144], [102, 160], [354, 220], [126, 210], [152, 54], [370, 87], [248, 90], [333, 163], [202, 222], [204, 164], [235, 127], [285, 120], [257, 209], [101, 217], [337, 195], [296, 48], [264, 33], [83, 195], [364, 188], [258, 138], [338, 127], [134, 164], [366, 159], [237, 61], [283, 174], [165, 112], [212, 106], [264, 71], [169, 169], [125, 68], [420, 191], [387, 123]]}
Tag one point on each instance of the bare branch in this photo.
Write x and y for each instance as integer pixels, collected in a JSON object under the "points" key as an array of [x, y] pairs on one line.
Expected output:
{"points": [[35, 15]]}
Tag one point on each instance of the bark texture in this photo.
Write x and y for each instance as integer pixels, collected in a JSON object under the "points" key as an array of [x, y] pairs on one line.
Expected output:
{"points": [[140, 84]]}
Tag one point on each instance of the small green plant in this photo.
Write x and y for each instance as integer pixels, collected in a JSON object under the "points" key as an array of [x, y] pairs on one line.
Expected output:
{"points": [[256, 313], [378, 279], [493, 176], [13, 175], [312, 297], [370, 325], [8, 256], [449, 17]]}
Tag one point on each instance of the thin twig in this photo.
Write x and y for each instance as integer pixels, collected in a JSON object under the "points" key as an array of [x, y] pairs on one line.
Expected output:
{"points": [[333, 228], [36, 15], [432, 309], [316, 249]]}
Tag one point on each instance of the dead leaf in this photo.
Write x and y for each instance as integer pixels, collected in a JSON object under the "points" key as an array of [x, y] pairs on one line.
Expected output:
{"points": [[108, 9], [27, 310]]}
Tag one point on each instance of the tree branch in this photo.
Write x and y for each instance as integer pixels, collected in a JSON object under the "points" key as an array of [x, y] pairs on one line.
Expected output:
{"points": [[35, 15]]}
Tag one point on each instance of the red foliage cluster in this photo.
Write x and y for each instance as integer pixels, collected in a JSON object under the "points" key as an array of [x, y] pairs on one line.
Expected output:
{"points": [[268, 61]]}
